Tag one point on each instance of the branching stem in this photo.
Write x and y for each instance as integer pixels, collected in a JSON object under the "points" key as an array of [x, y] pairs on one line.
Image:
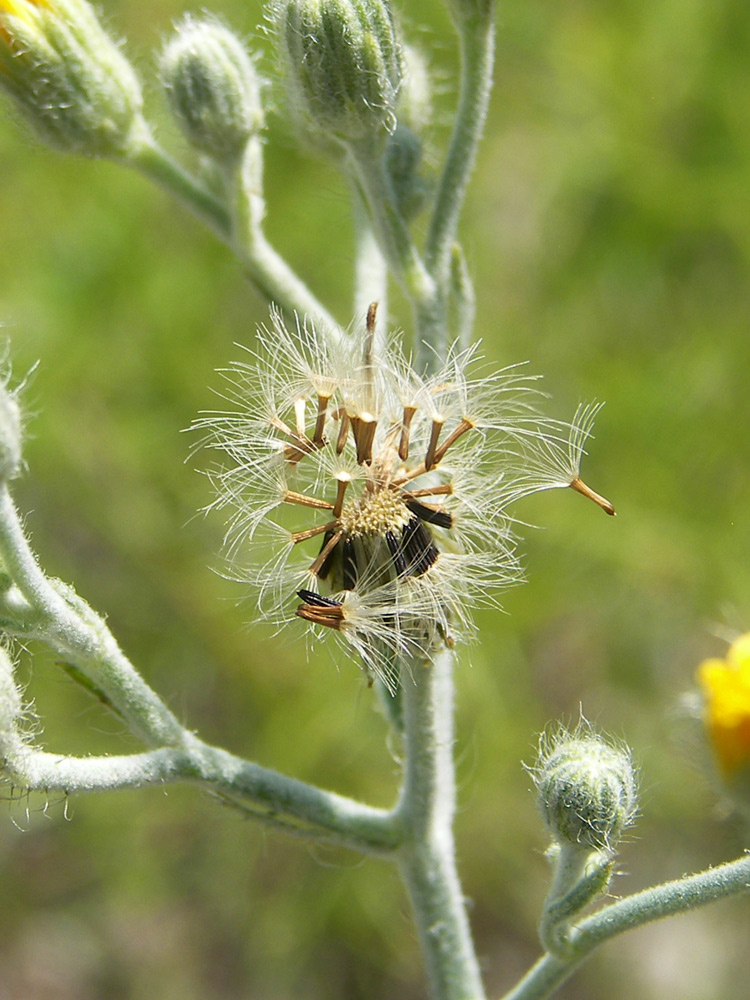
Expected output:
{"points": [[664, 900], [426, 809], [238, 224]]}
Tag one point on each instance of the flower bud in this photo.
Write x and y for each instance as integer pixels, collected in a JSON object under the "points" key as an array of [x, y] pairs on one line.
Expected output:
{"points": [[343, 63], [67, 76], [212, 87], [586, 789], [725, 686], [10, 434]]}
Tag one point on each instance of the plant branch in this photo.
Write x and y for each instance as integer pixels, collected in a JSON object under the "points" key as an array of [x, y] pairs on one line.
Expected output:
{"points": [[265, 267], [275, 798], [477, 51], [660, 901], [58, 617], [371, 271], [389, 225], [425, 810], [239, 227]]}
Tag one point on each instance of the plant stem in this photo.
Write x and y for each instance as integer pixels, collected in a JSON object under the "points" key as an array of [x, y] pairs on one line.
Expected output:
{"points": [[66, 623], [390, 226], [304, 809], [240, 228], [665, 900], [146, 155], [477, 51], [265, 267], [426, 809], [371, 272]]}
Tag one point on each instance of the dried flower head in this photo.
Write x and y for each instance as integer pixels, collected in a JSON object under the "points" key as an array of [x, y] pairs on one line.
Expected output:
{"points": [[407, 479]]}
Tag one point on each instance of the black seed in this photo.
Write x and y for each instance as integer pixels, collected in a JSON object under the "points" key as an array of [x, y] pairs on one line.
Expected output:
{"points": [[439, 517], [397, 553], [349, 565], [317, 600], [420, 550]]}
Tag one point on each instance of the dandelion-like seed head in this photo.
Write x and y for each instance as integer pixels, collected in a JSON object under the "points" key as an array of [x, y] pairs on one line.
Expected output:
{"points": [[376, 494]]}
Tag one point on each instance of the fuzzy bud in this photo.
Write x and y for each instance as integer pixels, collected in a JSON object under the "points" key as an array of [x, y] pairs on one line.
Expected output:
{"points": [[586, 789], [10, 434], [212, 87], [344, 66], [67, 76]]}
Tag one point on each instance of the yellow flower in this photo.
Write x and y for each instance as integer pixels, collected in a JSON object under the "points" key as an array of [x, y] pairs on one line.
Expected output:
{"points": [[726, 691]]}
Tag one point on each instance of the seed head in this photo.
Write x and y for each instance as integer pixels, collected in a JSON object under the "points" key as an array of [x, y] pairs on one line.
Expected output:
{"points": [[376, 494]]}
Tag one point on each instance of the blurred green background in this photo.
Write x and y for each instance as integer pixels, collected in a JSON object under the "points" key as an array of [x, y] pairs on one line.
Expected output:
{"points": [[609, 231]]}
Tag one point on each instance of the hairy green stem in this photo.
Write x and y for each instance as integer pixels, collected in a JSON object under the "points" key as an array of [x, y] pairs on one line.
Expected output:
{"points": [[61, 619], [665, 900], [370, 272], [146, 155], [426, 809], [265, 267], [307, 810], [477, 51], [390, 226], [239, 226], [476, 33], [54, 614]]}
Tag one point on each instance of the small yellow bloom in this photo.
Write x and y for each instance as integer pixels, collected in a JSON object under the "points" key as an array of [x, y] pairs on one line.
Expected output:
{"points": [[726, 691]]}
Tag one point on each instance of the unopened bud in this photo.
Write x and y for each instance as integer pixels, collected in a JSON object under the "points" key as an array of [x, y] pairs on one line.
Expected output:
{"points": [[586, 789], [212, 87], [343, 63], [67, 76]]}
